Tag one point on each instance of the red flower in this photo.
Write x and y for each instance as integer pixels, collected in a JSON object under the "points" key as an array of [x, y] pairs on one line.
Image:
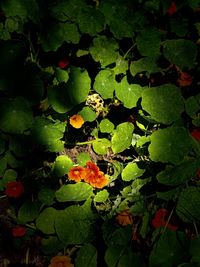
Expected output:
{"points": [[14, 189], [18, 231], [184, 79], [172, 9], [63, 63], [196, 134], [161, 220], [77, 173]]}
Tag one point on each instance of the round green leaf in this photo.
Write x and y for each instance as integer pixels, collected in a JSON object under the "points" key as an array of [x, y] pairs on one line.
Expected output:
{"points": [[121, 141], [180, 52], [131, 172], [82, 258], [2, 146], [101, 146], [61, 75], [62, 165], [83, 158], [46, 219], [145, 64], [165, 143], [46, 196], [88, 114], [158, 102], [101, 196], [16, 115], [106, 126], [74, 192], [51, 245], [29, 211]]}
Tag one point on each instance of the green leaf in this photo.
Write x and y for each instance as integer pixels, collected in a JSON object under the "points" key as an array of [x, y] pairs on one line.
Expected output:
{"points": [[74, 192], [11, 24], [104, 50], [62, 165], [16, 115], [96, 21], [192, 105], [169, 250], [101, 146], [73, 225], [88, 114], [188, 206], [130, 259], [101, 196], [176, 175], [158, 102], [61, 75], [166, 142], [146, 64], [2, 146], [128, 93], [29, 211], [51, 245], [179, 26], [105, 83], [193, 3], [106, 126], [78, 85], [121, 66], [20, 145], [86, 256], [112, 255], [4, 33], [3, 165], [46, 196], [57, 34], [131, 172], [194, 250], [83, 158], [148, 42], [45, 221], [180, 52], [119, 141]]}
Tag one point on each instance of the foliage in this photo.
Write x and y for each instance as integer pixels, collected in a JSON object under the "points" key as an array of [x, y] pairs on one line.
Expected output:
{"points": [[100, 131]]}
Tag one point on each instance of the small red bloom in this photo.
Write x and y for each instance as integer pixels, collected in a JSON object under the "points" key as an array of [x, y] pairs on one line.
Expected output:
{"points": [[184, 79], [196, 134], [160, 220], [172, 9], [14, 189], [18, 231], [63, 63]]}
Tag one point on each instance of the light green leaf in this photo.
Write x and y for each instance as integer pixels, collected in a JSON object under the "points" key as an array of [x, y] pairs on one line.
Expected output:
{"points": [[62, 165], [105, 83], [146, 64], [45, 221], [128, 93], [158, 102], [83, 158], [16, 115], [101, 196], [121, 141], [88, 114], [188, 206], [131, 172], [29, 211], [86, 256], [74, 192], [180, 52], [121, 66], [104, 50], [166, 142], [61, 75], [101, 146], [106, 126]]}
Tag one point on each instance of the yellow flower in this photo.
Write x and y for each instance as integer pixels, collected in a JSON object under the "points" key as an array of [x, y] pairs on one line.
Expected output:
{"points": [[61, 261], [76, 121]]}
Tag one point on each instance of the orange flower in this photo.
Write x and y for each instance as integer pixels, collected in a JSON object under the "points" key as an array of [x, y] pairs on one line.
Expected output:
{"points": [[61, 261], [172, 9], [76, 121], [94, 176], [184, 79], [124, 218], [77, 173]]}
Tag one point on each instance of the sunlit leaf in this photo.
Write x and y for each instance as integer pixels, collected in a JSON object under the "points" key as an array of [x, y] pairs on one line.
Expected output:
{"points": [[88, 114], [106, 126], [101, 146], [131, 172], [62, 165], [101, 196]]}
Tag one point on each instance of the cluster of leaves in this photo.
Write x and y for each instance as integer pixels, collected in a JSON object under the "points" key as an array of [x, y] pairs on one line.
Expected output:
{"points": [[129, 69]]}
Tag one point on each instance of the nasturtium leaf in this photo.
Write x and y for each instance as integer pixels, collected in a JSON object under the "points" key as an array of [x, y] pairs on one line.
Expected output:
{"points": [[59, 99], [86, 256], [45, 221], [128, 93], [169, 250], [9, 175], [12, 161], [192, 105], [145, 64], [130, 259], [188, 206], [169, 194], [11, 24], [20, 145], [101, 196], [164, 103], [121, 65], [106, 126], [2, 146], [105, 83], [57, 33], [88, 114], [4, 33], [16, 115], [101, 146], [78, 85], [46, 196], [194, 249], [104, 50], [51, 245], [83, 158], [180, 52], [112, 255], [96, 20], [3, 165], [179, 26], [176, 175], [122, 137], [29, 211], [148, 42], [73, 225], [61, 75], [170, 145], [131, 172], [193, 3], [74, 192], [62, 165]]}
